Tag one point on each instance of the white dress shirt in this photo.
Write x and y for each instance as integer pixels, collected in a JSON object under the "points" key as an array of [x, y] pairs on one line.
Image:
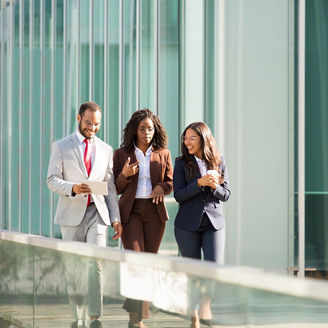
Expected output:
{"points": [[202, 166], [144, 188]]}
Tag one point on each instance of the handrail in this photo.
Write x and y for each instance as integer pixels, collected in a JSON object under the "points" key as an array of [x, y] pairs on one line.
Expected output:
{"points": [[248, 277]]}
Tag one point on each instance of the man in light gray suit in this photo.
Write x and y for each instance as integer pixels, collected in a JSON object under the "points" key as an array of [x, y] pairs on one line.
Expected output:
{"points": [[83, 216]]}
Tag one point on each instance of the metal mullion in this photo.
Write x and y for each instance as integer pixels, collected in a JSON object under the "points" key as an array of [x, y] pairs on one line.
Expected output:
{"points": [[138, 19], [21, 76], [52, 100], [31, 45], [106, 107], [182, 64], [10, 108], [65, 125], [131, 64], [1, 116], [205, 84], [78, 57], [301, 138], [156, 55], [120, 77], [291, 138], [91, 51], [42, 78]]}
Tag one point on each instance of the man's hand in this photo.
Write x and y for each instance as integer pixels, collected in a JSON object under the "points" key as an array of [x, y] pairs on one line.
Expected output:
{"points": [[81, 188], [157, 194], [129, 170], [117, 229]]}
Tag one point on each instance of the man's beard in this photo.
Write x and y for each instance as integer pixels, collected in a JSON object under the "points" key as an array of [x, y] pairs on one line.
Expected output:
{"points": [[81, 131]]}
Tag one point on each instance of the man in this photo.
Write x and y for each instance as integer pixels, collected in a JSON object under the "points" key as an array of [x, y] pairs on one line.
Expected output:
{"points": [[84, 216]]}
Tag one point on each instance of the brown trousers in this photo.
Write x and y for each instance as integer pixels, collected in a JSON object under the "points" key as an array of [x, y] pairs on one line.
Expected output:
{"points": [[142, 233]]}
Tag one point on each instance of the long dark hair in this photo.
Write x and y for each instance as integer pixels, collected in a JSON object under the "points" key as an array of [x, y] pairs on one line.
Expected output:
{"points": [[210, 153], [130, 131]]}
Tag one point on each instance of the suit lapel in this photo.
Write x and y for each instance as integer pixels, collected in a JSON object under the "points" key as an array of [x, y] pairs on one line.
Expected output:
{"points": [[154, 158], [198, 175], [77, 152]]}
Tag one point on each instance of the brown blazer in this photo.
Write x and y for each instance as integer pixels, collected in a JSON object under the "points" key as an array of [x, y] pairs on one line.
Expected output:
{"points": [[161, 173]]}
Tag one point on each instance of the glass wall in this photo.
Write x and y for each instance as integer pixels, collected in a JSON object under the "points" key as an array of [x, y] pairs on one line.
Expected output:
{"points": [[39, 277], [228, 63], [316, 101], [57, 54]]}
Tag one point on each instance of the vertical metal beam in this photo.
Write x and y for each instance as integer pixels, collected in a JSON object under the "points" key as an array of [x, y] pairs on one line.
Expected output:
{"points": [[31, 46], [156, 55], [291, 137], [2, 106], [182, 64], [78, 57], [120, 75], [10, 108], [21, 82], [42, 79], [301, 139], [106, 105], [91, 51], [52, 100], [65, 125], [138, 19]]}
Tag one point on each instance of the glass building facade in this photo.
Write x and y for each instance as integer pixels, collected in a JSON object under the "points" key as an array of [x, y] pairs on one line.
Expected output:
{"points": [[231, 63]]}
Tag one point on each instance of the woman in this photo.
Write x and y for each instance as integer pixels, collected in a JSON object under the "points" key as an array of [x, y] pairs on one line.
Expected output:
{"points": [[200, 183], [143, 176]]}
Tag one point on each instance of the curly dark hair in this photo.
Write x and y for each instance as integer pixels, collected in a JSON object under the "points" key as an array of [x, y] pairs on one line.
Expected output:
{"points": [[130, 131], [210, 153]]}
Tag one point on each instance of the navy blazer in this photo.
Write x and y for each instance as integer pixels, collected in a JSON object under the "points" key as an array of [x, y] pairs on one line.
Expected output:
{"points": [[194, 200]]}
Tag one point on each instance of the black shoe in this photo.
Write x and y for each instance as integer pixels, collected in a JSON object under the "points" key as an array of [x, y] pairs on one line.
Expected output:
{"points": [[206, 322], [96, 324]]}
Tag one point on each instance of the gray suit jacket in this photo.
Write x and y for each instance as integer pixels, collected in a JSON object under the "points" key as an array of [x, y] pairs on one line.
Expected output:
{"points": [[66, 168]]}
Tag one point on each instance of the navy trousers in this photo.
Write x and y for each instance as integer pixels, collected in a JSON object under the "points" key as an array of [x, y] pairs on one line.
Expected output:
{"points": [[205, 238]]}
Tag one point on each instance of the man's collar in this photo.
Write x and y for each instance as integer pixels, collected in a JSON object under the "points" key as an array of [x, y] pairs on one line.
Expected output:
{"points": [[81, 137]]}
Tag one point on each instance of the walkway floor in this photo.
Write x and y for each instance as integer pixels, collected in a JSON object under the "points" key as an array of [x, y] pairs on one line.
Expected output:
{"points": [[58, 316]]}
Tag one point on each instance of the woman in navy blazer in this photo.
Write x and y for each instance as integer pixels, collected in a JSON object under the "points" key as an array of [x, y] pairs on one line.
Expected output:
{"points": [[200, 184]]}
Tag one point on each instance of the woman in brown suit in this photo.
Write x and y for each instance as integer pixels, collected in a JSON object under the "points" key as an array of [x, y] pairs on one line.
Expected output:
{"points": [[143, 176]]}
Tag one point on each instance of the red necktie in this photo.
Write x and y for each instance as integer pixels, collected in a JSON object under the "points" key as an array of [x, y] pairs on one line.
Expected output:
{"points": [[87, 161]]}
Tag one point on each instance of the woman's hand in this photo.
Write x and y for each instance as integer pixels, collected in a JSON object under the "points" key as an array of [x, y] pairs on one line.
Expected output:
{"points": [[129, 170], [210, 179], [157, 194]]}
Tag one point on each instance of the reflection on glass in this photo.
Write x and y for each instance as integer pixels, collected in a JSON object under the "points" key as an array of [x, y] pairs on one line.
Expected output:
{"points": [[37, 284], [84, 51], [316, 177], [129, 59], [98, 56], [71, 62], [147, 59], [168, 84], [16, 287], [46, 114]]}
